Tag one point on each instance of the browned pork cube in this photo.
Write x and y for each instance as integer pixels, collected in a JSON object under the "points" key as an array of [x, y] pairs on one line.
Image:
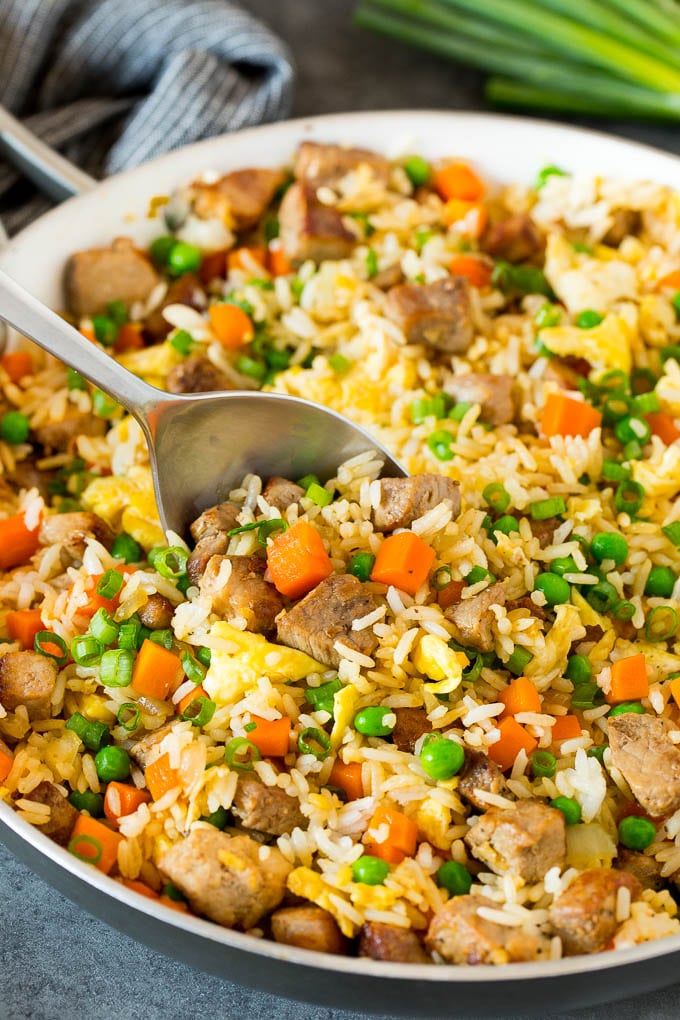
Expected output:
{"points": [[642, 751], [410, 726], [403, 500], [212, 545], [472, 618], [246, 593], [28, 679], [144, 750], [95, 277], [61, 435], [62, 813], [197, 374], [282, 493], [318, 165], [526, 840], [231, 879], [584, 915], [625, 223], [492, 392], [437, 314], [185, 290], [73, 530], [646, 869], [391, 943], [310, 230], [266, 808], [308, 928], [515, 239], [209, 531], [157, 612], [479, 773], [325, 616], [461, 936], [239, 198]]}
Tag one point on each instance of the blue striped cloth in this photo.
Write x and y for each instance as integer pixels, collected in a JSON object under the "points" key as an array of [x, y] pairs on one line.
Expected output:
{"points": [[111, 83]]}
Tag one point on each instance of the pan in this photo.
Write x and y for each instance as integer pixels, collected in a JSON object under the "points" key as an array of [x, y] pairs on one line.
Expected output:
{"points": [[503, 148]]}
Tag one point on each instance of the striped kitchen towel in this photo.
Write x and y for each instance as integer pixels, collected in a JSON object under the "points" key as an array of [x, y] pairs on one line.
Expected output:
{"points": [[111, 83]]}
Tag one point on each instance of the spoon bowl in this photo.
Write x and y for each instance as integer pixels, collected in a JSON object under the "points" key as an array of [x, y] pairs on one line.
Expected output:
{"points": [[201, 445]]}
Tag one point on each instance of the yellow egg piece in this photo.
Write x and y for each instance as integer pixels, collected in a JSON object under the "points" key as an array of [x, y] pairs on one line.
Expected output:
{"points": [[434, 819], [344, 709], [434, 658], [606, 346], [311, 886], [152, 363], [127, 504]]}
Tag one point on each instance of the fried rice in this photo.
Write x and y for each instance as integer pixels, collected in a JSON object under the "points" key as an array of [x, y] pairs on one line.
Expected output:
{"points": [[328, 322]]}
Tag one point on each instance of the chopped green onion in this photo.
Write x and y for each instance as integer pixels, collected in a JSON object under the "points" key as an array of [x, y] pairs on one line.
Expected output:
{"points": [[105, 330], [671, 351], [182, 342], [86, 650], [93, 734], [458, 412], [129, 723], [602, 596], [661, 623], [199, 712], [624, 610], [125, 548], [164, 638], [241, 753], [616, 406], [543, 764], [672, 533], [371, 263], [117, 311], [417, 170], [646, 403], [193, 670], [613, 380], [169, 562], [440, 443], [441, 578], [588, 319], [626, 707], [519, 660], [642, 380], [204, 655], [632, 429], [219, 819], [361, 565], [271, 228], [632, 451], [363, 220], [314, 741], [129, 634], [322, 698], [542, 509], [51, 646], [587, 695], [545, 173], [547, 315], [110, 584], [497, 497], [74, 380], [251, 367], [264, 529], [104, 627], [85, 840], [612, 471], [115, 669], [319, 495], [629, 497], [520, 279]]}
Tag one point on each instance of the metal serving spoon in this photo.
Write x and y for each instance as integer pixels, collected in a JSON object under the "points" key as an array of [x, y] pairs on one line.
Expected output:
{"points": [[201, 445]]}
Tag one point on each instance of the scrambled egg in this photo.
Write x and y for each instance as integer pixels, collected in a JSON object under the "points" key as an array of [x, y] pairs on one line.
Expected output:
{"points": [[605, 346], [433, 819], [127, 504], [232, 674], [435, 659], [311, 886], [152, 363], [581, 281], [344, 705]]}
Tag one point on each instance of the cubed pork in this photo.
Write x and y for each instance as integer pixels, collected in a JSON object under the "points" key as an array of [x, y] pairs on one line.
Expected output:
{"points": [[266, 808], [391, 943], [308, 928], [197, 374], [325, 165], [525, 840], [403, 500], [310, 230], [98, 276], [438, 315], [245, 592], [492, 392], [479, 773], [472, 618], [28, 679], [584, 915], [643, 753], [459, 935]]}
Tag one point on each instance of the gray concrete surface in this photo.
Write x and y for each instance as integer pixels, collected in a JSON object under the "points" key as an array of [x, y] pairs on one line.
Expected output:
{"points": [[56, 961]]}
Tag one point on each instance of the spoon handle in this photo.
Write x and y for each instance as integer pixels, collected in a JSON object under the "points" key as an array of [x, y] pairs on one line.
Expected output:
{"points": [[49, 331], [53, 174]]}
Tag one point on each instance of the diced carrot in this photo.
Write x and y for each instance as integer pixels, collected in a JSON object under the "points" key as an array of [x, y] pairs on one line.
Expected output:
{"points": [[214, 265], [23, 625], [270, 736], [277, 263], [404, 561], [401, 836], [458, 180], [142, 888], [123, 799], [94, 841], [670, 280], [520, 696], [197, 692], [674, 687], [628, 680], [472, 268], [566, 728], [564, 416], [6, 761], [129, 338], [297, 560], [17, 543], [160, 778], [663, 426], [513, 738], [238, 258], [17, 364], [156, 671], [96, 601], [347, 778], [230, 324], [450, 594], [89, 334], [468, 218]]}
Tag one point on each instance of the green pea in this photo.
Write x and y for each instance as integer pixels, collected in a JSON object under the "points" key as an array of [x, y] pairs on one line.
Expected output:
{"points": [[563, 565], [455, 878], [609, 545], [625, 707], [588, 319], [555, 589], [183, 258], [112, 763], [636, 833], [14, 427], [441, 758], [376, 721], [160, 249], [88, 801], [361, 565], [417, 170], [660, 582], [370, 870], [570, 808]]}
